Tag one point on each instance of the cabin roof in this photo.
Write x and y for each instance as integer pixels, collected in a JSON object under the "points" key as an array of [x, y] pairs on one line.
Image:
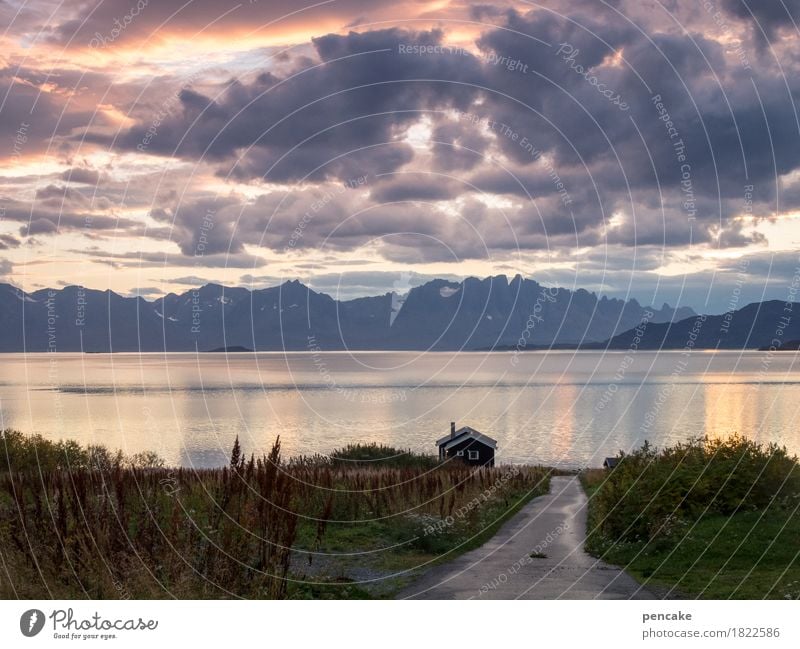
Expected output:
{"points": [[611, 462], [466, 432]]}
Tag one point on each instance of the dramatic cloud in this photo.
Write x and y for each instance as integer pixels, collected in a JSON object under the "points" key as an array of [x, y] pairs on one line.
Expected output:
{"points": [[337, 119], [568, 137], [766, 15], [81, 175]]}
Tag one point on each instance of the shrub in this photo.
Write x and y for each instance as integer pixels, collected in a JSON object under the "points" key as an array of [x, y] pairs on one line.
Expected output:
{"points": [[379, 455], [652, 493]]}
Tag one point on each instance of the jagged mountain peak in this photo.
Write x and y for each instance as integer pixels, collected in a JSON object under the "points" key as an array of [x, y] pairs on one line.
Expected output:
{"points": [[440, 314]]}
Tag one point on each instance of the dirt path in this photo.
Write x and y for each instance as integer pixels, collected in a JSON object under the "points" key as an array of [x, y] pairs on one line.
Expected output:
{"points": [[553, 525]]}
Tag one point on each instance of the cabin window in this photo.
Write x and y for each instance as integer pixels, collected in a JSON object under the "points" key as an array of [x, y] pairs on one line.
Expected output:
{"points": [[473, 455], [460, 453]]}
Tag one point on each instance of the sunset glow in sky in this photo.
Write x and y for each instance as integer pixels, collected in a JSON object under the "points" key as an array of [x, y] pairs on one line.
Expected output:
{"points": [[637, 148]]}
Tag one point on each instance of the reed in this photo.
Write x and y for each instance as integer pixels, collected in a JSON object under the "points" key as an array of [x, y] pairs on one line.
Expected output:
{"points": [[86, 522]]}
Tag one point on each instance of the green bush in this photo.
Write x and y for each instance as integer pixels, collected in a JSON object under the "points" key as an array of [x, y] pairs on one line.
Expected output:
{"points": [[379, 455], [24, 453], [653, 493], [20, 452]]}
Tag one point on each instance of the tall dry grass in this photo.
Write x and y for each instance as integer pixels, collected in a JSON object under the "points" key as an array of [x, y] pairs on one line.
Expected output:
{"points": [[78, 522]]}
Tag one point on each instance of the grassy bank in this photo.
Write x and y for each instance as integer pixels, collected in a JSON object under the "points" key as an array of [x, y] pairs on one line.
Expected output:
{"points": [[709, 518], [86, 522]]}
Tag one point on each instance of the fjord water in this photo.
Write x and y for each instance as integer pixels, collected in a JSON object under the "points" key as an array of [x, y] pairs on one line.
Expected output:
{"points": [[563, 408]]}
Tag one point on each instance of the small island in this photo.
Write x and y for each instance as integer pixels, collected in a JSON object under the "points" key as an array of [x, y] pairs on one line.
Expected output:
{"points": [[230, 349], [788, 346]]}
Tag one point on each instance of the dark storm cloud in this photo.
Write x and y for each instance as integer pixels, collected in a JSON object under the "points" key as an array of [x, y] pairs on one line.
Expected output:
{"points": [[458, 147], [59, 210], [41, 109], [203, 226], [765, 15], [8, 241], [81, 175], [416, 186], [728, 124], [316, 162], [670, 159], [28, 120], [332, 219], [330, 120]]}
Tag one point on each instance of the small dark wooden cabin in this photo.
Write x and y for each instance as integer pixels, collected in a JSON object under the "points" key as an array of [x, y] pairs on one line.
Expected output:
{"points": [[467, 444], [610, 462]]}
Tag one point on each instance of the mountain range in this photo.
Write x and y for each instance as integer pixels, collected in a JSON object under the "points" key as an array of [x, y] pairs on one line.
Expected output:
{"points": [[440, 315], [475, 314], [773, 324]]}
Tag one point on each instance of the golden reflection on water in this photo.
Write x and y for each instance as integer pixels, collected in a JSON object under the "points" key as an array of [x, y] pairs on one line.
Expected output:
{"points": [[760, 413], [566, 398], [189, 409]]}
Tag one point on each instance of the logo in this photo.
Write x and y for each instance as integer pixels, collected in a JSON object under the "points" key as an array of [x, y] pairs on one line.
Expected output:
{"points": [[31, 622]]}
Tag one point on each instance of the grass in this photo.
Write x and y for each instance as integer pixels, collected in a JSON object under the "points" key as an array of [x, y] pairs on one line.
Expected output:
{"points": [[376, 556], [86, 522], [710, 518]]}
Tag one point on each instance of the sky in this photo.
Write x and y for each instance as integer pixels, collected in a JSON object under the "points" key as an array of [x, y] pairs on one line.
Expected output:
{"points": [[646, 149]]}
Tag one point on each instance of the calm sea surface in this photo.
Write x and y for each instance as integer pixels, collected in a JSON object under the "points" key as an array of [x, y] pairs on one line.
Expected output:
{"points": [[562, 408]]}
